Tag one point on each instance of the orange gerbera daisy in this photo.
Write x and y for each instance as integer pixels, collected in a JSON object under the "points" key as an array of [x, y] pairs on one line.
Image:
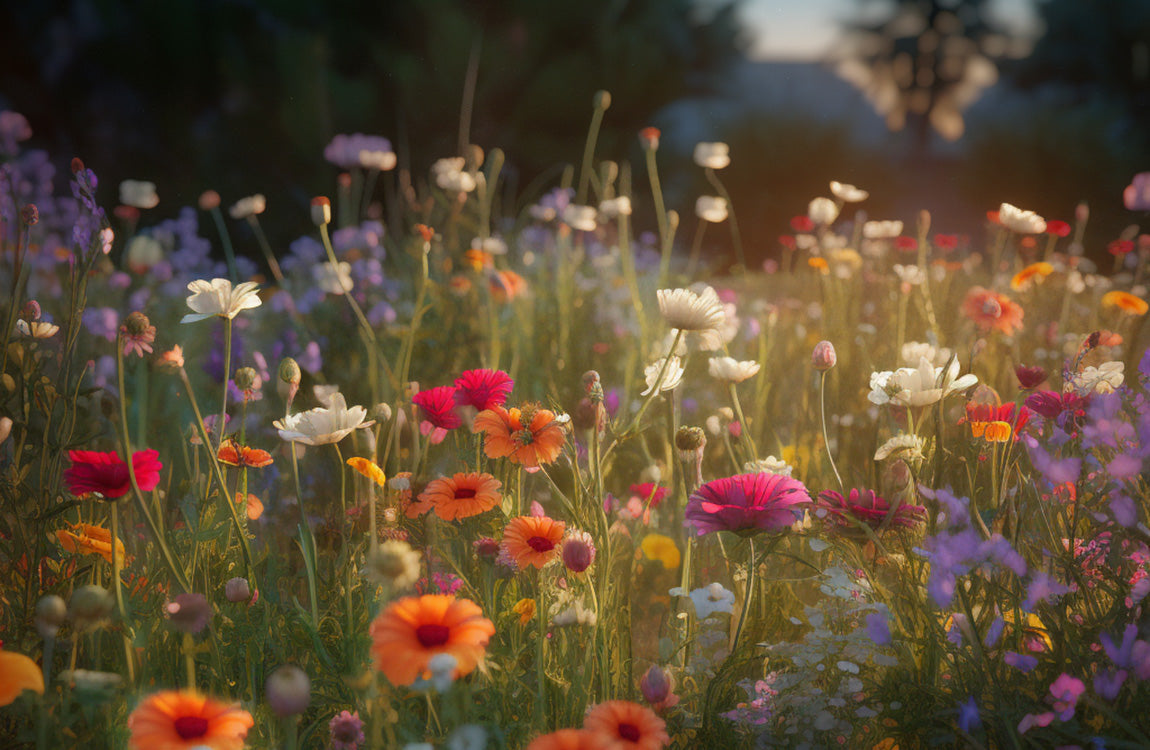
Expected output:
{"points": [[623, 725], [17, 674], [533, 540], [1035, 271], [234, 454], [86, 539], [991, 310], [412, 630], [529, 435], [1126, 302], [461, 496], [184, 719], [567, 739]]}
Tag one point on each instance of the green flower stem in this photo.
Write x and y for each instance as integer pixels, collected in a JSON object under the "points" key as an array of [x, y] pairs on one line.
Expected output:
{"points": [[189, 648], [266, 248], [748, 595], [655, 390], [118, 587], [421, 295], [628, 255], [221, 426], [589, 149], [541, 712], [226, 241], [660, 216], [826, 440], [345, 553], [696, 247], [746, 431], [736, 238]]}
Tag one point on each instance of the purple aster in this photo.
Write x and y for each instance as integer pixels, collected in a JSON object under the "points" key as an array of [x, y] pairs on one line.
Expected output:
{"points": [[968, 717], [1021, 662], [877, 628], [346, 731], [746, 504]]}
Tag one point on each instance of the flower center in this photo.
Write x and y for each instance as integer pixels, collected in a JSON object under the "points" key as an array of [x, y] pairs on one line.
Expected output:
{"points": [[629, 732], [431, 636], [464, 492], [541, 544], [191, 727], [346, 732], [524, 437]]}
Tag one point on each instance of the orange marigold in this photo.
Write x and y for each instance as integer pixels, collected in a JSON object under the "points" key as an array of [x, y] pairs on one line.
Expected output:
{"points": [[184, 719], [1126, 302], [86, 539], [412, 630], [991, 310], [461, 496], [528, 435], [533, 540], [623, 725]]}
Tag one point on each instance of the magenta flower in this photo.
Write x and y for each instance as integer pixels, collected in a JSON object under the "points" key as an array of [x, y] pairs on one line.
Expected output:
{"points": [[747, 504], [438, 407], [867, 508], [346, 731], [483, 389]]}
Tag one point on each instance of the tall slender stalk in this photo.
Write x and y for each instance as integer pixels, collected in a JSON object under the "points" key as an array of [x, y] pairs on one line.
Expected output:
{"points": [[736, 238], [826, 440]]}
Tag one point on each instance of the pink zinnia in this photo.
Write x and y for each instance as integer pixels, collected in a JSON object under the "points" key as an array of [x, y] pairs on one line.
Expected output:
{"points": [[747, 504], [649, 491], [865, 507], [483, 389], [438, 407], [107, 474]]}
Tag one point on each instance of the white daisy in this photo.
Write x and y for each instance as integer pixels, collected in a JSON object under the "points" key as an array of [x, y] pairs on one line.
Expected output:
{"points": [[138, 194], [1017, 220], [322, 426], [218, 298], [710, 208], [672, 375], [731, 370], [848, 193], [712, 155], [688, 311]]}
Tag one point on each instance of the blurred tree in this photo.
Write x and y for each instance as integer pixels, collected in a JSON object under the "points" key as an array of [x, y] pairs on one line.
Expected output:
{"points": [[242, 95]]}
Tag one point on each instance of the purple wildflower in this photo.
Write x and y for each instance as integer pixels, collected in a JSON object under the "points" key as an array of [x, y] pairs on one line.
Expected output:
{"points": [[877, 628], [1021, 662], [968, 716], [346, 731]]}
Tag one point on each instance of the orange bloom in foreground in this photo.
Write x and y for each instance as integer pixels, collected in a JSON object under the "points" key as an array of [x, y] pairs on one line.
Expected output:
{"points": [[532, 540], [529, 436], [507, 285], [412, 630], [234, 454], [87, 539], [1126, 302], [461, 496], [17, 674], [622, 725], [368, 469], [991, 310], [567, 739], [1032, 272], [183, 719], [251, 505]]}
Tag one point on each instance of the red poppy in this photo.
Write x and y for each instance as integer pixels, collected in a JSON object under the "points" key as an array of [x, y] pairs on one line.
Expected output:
{"points": [[438, 406], [1058, 228], [483, 389], [1120, 247], [787, 241], [802, 224], [905, 244], [1029, 377], [107, 474], [946, 242], [649, 492]]}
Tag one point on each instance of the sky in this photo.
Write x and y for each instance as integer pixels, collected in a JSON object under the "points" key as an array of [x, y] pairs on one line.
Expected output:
{"points": [[806, 29]]}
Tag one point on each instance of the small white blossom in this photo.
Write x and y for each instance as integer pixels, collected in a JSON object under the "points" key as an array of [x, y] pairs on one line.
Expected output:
{"points": [[822, 211], [333, 280], [848, 193], [139, 194], [730, 370], [882, 230], [711, 208], [672, 375], [253, 205], [1017, 220], [712, 155]]}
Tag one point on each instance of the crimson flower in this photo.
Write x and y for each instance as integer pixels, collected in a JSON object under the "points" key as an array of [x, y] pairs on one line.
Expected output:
{"points": [[1029, 377], [1059, 228], [865, 507], [905, 244], [649, 491], [1120, 247], [802, 223], [483, 389], [982, 413], [746, 504], [107, 474], [438, 406]]}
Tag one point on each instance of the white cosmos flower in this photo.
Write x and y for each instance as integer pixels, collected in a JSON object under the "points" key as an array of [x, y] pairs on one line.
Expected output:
{"points": [[848, 193], [37, 329], [322, 426], [615, 207], [218, 298], [580, 217], [253, 205], [823, 211], [449, 175], [918, 386], [1017, 220], [138, 194], [882, 230], [768, 465], [333, 280], [731, 370], [688, 311], [913, 351], [709, 600], [711, 208], [900, 446], [712, 155], [910, 274], [1102, 379], [671, 377]]}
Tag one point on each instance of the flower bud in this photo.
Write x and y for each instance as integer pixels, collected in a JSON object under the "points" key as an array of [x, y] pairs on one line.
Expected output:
{"points": [[189, 613], [656, 685], [31, 311], [602, 100], [649, 138], [289, 371], [50, 615], [823, 357], [30, 215], [247, 379], [578, 551], [381, 413], [90, 606], [137, 324], [288, 691], [5, 428], [237, 590], [1082, 212], [209, 199], [320, 211], [77, 164]]}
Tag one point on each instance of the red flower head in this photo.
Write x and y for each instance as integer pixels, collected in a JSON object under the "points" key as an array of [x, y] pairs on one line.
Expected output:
{"points": [[980, 415], [483, 389], [1029, 377], [787, 241], [946, 242], [867, 508], [802, 224], [1120, 247], [438, 406], [107, 474], [1058, 228], [649, 491], [905, 244], [747, 504]]}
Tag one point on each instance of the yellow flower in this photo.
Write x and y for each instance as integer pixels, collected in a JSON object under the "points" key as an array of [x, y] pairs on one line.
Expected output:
{"points": [[819, 264], [17, 674], [368, 469], [525, 608], [86, 539], [663, 549]]}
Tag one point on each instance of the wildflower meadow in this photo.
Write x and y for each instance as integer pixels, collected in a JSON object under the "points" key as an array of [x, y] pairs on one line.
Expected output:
{"points": [[473, 466]]}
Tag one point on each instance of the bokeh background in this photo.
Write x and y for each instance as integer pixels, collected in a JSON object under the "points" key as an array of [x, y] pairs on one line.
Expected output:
{"points": [[953, 106]]}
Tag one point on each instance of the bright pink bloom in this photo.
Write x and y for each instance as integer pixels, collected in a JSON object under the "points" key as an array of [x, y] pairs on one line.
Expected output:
{"points": [[483, 389], [438, 406], [865, 507], [107, 474], [746, 504], [649, 491]]}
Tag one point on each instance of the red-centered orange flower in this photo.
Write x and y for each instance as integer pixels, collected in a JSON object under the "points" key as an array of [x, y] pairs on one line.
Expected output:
{"points": [[412, 630], [234, 454], [533, 540], [86, 539], [184, 719], [529, 435], [992, 311], [507, 285], [17, 674], [623, 725], [368, 469], [567, 739], [1033, 272], [1126, 302], [462, 496], [994, 432]]}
